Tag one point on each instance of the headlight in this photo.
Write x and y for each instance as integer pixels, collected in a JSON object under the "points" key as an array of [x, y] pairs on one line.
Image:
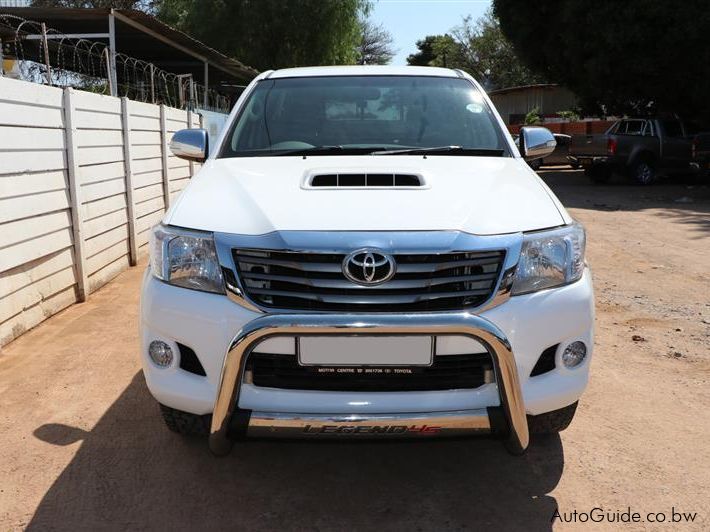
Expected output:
{"points": [[185, 258], [549, 259]]}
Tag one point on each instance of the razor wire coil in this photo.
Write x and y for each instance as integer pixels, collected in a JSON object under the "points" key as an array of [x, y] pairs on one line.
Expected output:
{"points": [[61, 60]]}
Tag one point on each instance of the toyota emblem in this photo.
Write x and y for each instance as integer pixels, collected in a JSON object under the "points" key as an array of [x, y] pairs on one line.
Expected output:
{"points": [[369, 267]]}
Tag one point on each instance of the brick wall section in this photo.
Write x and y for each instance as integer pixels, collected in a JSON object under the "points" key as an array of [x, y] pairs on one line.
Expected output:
{"points": [[575, 128], [600, 126], [586, 127], [514, 129]]}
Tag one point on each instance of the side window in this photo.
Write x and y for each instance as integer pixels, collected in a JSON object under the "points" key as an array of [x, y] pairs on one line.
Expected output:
{"points": [[634, 127], [648, 129]]}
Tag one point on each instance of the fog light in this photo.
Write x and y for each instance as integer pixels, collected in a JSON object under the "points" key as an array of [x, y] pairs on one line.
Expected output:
{"points": [[574, 354], [161, 353]]}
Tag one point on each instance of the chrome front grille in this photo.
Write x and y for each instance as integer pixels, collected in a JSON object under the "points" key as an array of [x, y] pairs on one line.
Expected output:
{"points": [[315, 281]]}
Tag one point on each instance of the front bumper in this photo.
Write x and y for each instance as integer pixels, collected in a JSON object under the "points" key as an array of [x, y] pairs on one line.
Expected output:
{"points": [[319, 426], [227, 410], [207, 323], [589, 160]]}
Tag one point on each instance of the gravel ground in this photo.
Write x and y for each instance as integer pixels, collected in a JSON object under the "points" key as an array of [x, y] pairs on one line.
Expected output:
{"points": [[82, 445]]}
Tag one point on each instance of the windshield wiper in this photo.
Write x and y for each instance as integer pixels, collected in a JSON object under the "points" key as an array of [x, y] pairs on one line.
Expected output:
{"points": [[451, 150], [378, 150]]}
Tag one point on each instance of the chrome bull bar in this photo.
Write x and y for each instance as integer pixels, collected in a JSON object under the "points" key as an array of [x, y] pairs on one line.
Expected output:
{"points": [[271, 424]]}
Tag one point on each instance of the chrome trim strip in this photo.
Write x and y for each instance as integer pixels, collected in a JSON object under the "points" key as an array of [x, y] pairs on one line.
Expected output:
{"points": [[393, 242], [464, 324], [405, 425]]}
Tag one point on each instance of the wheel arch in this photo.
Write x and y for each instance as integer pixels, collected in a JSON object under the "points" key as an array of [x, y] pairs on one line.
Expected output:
{"points": [[642, 155]]}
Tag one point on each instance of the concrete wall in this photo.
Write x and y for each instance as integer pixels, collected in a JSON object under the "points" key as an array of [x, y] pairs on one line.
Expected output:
{"points": [[83, 178]]}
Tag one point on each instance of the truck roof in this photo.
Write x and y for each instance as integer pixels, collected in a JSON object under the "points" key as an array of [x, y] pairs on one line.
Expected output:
{"points": [[364, 70]]}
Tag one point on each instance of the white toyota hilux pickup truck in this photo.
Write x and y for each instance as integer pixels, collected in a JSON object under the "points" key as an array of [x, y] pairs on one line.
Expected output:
{"points": [[366, 254]]}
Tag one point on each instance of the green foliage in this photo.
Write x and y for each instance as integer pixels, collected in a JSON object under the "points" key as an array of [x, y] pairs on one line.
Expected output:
{"points": [[490, 56], [448, 53], [570, 115], [439, 51], [268, 34], [533, 117], [478, 47], [621, 57], [425, 55]]}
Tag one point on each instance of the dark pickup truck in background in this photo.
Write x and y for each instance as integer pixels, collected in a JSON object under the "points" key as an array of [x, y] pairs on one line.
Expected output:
{"points": [[642, 148]]}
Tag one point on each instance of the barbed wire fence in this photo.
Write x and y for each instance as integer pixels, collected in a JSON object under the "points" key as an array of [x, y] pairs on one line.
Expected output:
{"points": [[44, 55]]}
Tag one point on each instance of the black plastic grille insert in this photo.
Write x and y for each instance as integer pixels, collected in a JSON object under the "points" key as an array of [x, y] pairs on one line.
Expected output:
{"points": [[447, 372]]}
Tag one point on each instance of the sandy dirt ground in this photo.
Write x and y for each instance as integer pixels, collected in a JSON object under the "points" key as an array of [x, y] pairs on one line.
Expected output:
{"points": [[82, 445]]}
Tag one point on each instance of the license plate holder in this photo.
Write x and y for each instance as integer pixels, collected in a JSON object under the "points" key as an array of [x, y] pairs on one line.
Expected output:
{"points": [[375, 350]]}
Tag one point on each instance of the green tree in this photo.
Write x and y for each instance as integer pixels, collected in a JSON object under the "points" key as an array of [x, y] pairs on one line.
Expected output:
{"points": [[488, 55], [426, 51], [269, 34], [437, 50], [479, 48], [620, 57]]}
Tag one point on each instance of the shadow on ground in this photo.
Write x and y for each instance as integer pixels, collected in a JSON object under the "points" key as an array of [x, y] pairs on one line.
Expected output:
{"points": [[130, 472]]}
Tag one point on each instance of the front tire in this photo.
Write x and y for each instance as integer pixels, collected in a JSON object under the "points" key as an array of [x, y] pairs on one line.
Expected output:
{"points": [[185, 423], [552, 422]]}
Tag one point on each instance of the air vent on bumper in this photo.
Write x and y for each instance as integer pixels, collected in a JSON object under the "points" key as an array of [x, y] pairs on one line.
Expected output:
{"points": [[365, 180]]}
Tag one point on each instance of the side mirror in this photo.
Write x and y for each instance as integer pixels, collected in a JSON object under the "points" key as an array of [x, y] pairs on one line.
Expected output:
{"points": [[536, 142], [190, 144]]}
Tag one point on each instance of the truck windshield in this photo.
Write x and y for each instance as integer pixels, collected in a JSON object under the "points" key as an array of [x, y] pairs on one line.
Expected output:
{"points": [[346, 115]]}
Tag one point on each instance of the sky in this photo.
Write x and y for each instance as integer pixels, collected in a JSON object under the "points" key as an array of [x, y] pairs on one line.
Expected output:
{"points": [[411, 20]]}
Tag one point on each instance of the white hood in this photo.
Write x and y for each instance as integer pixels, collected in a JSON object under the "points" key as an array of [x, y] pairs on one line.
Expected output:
{"points": [[257, 195]]}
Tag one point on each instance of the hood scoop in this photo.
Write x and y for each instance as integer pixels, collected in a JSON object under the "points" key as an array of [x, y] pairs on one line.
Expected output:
{"points": [[365, 180]]}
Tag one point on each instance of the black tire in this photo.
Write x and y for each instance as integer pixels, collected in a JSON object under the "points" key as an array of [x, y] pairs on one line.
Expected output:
{"points": [[644, 172], [535, 164], [552, 422], [185, 423], [599, 173]]}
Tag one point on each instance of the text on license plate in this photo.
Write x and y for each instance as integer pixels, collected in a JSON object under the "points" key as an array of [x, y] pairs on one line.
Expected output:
{"points": [[365, 351]]}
